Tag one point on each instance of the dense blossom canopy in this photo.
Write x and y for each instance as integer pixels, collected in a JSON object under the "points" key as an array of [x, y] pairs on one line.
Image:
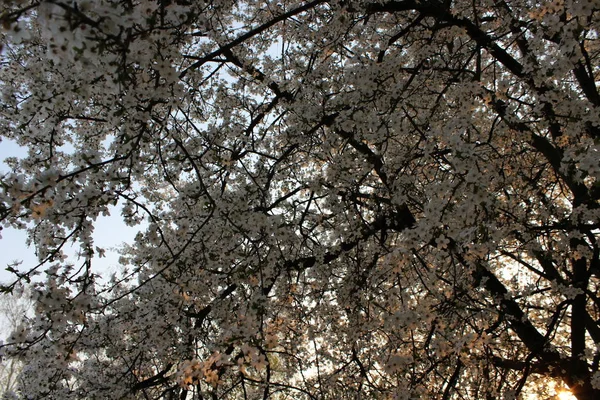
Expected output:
{"points": [[352, 199]]}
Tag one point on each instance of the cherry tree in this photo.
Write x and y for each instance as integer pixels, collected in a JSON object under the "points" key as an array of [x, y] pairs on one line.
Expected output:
{"points": [[336, 199]]}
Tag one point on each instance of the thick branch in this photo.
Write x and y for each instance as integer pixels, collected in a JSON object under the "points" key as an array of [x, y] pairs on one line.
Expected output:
{"points": [[251, 33]]}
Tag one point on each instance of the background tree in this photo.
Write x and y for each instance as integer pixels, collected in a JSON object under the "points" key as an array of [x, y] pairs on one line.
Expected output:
{"points": [[374, 199], [13, 308]]}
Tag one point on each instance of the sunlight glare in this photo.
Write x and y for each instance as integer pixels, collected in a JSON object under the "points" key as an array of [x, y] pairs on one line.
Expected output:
{"points": [[564, 394]]}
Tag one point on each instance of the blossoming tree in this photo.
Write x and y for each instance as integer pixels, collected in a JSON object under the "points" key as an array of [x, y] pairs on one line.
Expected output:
{"points": [[342, 199]]}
